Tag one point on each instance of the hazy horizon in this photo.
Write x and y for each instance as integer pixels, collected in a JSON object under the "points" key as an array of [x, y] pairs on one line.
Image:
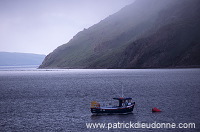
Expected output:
{"points": [[40, 26]]}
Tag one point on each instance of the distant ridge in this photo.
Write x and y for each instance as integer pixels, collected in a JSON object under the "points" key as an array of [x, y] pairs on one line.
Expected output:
{"points": [[20, 59], [145, 34]]}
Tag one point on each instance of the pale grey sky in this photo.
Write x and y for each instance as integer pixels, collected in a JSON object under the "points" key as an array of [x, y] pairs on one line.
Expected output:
{"points": [[40, 26]]}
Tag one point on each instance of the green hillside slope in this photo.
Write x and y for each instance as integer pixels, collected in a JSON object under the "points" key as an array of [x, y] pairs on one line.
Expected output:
{"points": [[145, 34]]}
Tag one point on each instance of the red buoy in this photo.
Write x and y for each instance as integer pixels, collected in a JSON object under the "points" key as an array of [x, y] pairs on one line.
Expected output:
{"points": [[156, 110]]}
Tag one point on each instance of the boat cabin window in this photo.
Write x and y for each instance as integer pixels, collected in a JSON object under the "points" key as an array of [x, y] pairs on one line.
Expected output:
{"points": [[127, 102]]}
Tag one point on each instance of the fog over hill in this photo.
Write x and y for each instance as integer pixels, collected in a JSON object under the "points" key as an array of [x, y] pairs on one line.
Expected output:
{"points": [[145, 34], [20, 59]]}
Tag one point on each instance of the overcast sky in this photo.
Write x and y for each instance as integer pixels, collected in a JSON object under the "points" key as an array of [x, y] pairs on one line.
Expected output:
{"points": [[39, 26]]}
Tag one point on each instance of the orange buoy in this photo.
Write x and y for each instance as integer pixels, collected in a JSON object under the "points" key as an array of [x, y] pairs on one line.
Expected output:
{"points": [[156, 110]]}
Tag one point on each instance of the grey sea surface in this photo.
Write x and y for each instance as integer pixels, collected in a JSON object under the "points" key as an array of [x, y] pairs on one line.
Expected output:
{"points": [[59, 100]]}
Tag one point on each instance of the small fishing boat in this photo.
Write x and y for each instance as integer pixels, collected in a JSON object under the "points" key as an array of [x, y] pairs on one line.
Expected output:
{"points": [[125, 106]]}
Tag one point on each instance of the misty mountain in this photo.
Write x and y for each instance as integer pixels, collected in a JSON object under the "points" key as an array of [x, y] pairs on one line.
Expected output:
{"points": [[145, 34], [20, 59]]}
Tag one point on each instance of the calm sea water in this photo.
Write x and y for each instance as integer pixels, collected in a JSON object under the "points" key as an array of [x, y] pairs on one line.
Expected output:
{"points": [[59, 100]]}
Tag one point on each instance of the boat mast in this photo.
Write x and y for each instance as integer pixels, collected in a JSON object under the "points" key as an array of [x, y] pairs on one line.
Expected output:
{"points": [[122, 91]]}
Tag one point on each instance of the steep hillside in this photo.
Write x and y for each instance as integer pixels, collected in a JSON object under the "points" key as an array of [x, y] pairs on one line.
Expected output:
{"points": [[145, 34], [20, 59]]}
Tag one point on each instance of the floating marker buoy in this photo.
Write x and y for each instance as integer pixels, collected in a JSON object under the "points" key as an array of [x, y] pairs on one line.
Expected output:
{"points": [[156, 110]]}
